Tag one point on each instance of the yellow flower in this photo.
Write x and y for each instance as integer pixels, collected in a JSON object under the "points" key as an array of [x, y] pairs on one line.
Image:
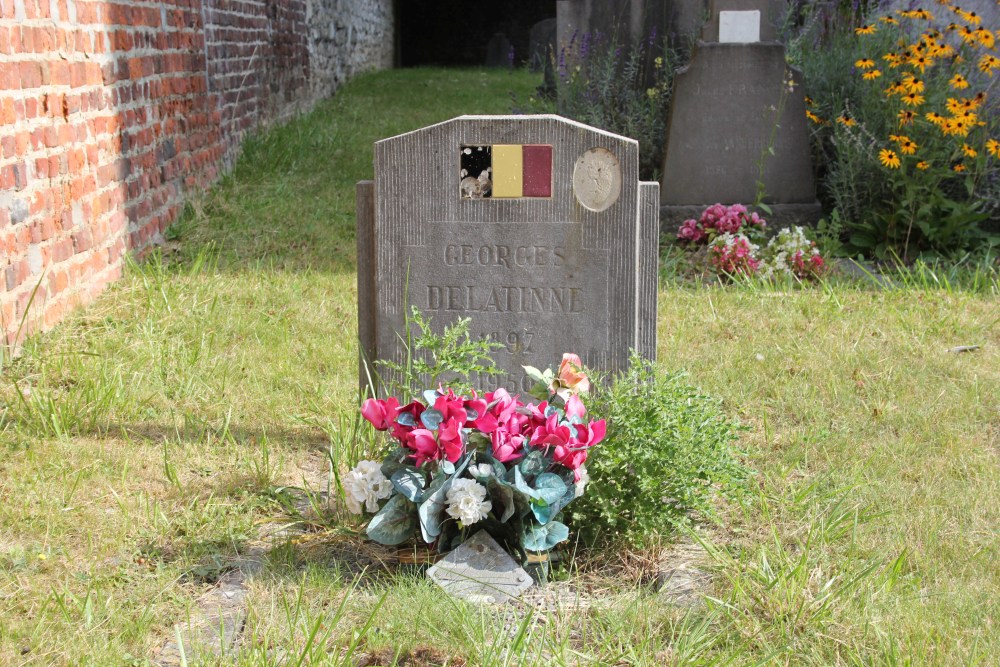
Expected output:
{"points": [[888, 158], [921, 62], [895, 89], [913, 99], [959, 82], [864, 63], [985, 37], [923, 165], [935, 118], [968, 17], [921, 14], [905, 117], [658, 62], [893, 58], [889, 20], [907, 147], [993, 147], [898, 138], [912, 84], [813, 117], [953, 106], [871, 74], [808, 100], [959, 168], [988, 63], [866, 29], [847, 121], [969, 150], [968, 36]]}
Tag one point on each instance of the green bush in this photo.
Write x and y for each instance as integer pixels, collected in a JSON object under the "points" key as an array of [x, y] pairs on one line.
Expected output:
{"points": [[669, 452]]}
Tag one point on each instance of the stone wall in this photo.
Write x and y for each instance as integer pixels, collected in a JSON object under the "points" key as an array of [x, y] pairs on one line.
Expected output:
{"points": [[112, 112]]}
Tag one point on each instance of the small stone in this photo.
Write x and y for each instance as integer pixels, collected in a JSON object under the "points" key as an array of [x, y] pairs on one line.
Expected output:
{"points": [[479, 570]]}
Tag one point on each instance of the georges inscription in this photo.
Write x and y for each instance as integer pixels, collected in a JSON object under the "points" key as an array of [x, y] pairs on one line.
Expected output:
{"points": [[515, 280]]}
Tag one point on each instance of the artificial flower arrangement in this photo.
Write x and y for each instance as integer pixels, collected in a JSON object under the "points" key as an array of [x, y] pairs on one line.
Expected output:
{"points": [[476, 462], [728, 233]]}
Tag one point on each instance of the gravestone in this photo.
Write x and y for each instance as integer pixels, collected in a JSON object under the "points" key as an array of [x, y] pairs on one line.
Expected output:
{"points": [[479, 570], [738, 118], [542, 45], [498, 51], [534, 227]]}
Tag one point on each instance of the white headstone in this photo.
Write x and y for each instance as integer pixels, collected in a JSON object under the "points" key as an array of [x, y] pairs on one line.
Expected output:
{"points": [[739, 27]]}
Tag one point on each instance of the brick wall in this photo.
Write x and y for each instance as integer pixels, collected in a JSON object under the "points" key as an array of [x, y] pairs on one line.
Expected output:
{"points": [[112, 112]]}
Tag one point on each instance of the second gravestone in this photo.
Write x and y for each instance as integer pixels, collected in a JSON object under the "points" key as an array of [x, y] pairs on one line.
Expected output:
{"points": [[536, 228]]}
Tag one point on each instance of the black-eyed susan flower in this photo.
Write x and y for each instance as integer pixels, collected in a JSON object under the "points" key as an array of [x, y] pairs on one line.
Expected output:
{"points": [[919, 14], [893, 58], [921, 62], [967, 34], [953, 106], [895, 88], [912, 84], [934, 117], [959, 168], [905, 117], [869, 29], [969, 151], [985, 37], [913, 99], [908, 147], [871, 75], [993, 147], [969, 17], [889, 20], [808, 100], [888, 158], [988, 63], [958, 82], [923, 165], [864, 63], [813, 117], [846, 121]]}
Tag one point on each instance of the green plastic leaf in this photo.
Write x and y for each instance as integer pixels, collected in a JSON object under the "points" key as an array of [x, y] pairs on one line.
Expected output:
{"points": [[544, 537], [431, 418], [446, 467], [549, 487], [534, 373], [395, 462], [409, 483], [431, 396], [502, 496], [394, 523], [533, 464]]}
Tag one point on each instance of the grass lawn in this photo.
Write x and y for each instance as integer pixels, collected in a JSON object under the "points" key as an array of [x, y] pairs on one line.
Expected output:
{"points": [[142, 441]]}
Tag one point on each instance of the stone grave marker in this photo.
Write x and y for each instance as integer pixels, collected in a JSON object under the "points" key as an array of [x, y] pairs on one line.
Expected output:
{"points": [[479, 570], [738, 117], [534, 227]]}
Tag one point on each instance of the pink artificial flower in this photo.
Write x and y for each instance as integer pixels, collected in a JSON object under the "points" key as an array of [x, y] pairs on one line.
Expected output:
{"points": [[450, 438], [507, 446], [424, 446], [691, 232], [381, 414], [399, 431], [575, 407]]}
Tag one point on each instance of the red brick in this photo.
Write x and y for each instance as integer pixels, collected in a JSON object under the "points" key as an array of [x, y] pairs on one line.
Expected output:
{"points": [[31, 75]]}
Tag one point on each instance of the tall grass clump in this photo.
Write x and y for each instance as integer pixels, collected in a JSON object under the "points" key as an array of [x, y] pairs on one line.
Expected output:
{"points": [[906, 126]]}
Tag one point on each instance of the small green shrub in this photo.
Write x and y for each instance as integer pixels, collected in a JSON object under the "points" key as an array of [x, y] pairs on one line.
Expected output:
{"points": [[668, 453]]}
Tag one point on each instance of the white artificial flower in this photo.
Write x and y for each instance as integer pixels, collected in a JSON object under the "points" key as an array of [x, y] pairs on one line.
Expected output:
{"points": [[467, 501], [366, 484], [581, 484], [480, 469]]}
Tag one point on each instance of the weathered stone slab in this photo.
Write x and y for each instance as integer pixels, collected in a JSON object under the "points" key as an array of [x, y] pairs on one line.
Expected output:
{"points": [[771, 15], [737, 116], [479, 570], [557, 254], [542, 45], [741, 27]]}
